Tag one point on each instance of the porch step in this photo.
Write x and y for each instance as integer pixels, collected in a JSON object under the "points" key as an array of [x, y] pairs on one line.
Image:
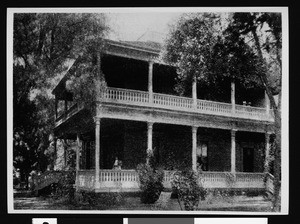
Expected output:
{"points": [[163, 199]]}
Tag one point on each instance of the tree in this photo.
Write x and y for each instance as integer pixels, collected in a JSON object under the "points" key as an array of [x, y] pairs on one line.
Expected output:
{"points": [[199, 49], [266, 31], [43, 46], [240, 46]]}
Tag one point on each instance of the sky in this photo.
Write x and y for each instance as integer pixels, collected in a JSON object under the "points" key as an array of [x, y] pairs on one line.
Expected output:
{"points": [[132, 26]]}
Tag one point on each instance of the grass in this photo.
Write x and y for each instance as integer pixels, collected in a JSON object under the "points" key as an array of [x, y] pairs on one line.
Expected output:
{"points": [[117, 201]]}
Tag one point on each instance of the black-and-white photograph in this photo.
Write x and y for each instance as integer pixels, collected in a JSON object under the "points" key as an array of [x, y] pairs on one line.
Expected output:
{"points": [[148, 110]]}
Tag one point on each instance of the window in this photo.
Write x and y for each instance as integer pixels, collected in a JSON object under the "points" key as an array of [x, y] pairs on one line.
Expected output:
{"points": [[202, 156]]}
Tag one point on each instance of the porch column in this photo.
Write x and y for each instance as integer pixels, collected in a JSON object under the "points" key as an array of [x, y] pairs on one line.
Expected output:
{"points": [[150, 81], [77, 158], [194, 90], [233, 95], [56, 102], [97, 152], [233, 150], [65, 151], [55, 151], [194, 147], [149, 140], [267, 152], [267, 103], [66, 107]]}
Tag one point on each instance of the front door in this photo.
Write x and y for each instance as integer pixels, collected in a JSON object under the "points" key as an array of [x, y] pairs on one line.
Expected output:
{"points": [[248, 159]]}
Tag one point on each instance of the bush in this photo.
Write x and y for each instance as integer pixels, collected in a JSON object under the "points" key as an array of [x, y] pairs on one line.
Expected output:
{"points": [[65, 186], [102, 200], [151, 183], [186, 185]]}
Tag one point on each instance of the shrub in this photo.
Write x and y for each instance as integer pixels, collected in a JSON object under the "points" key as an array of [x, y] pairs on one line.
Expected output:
{"points": [[186, 185], [65, 186], [151, 183], [104, 200]]}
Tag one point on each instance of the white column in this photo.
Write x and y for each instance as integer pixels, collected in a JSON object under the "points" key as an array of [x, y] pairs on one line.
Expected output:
{"points": [[65, 151], [150, 81], [194, 90], [77, 158], [267, 151], [233, 95], [56, 102], [267, 103], [97, 152], [149, 140], [194, 148], [233, 151]]}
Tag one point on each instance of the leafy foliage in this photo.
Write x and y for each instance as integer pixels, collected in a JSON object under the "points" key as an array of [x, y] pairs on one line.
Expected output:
{"points": [[200, 48], [102, 200], [266, 33], [43, 46], [186, 184], [65, 186], [151, 183]]}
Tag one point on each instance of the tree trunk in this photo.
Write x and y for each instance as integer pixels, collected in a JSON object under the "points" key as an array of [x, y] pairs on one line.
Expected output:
{"points": [[277, 117]]}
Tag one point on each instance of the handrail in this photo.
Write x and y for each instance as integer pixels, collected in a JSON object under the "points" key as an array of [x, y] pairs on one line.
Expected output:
{"points": [[142, 98], [165, 101]]}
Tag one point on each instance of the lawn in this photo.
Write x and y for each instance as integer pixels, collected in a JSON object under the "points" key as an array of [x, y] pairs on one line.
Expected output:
{"points": [[257, 203]]}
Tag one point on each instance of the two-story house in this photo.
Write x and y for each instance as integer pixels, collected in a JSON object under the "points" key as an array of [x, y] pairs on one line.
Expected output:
{"points": [[139, 112]]}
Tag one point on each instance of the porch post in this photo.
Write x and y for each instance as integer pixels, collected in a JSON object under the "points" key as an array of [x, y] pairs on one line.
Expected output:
{"points": [[97, 152], [149, 140], [66, 107], [233, 150], [267, 152], [233, 95], [55, 152], [194, 147], [267, 103], [150, 81], [77, 159], [56, 102], [65, 151], [194, 90]]}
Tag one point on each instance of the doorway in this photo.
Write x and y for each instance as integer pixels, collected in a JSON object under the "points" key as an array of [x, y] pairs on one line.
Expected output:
{"points": [[248, 160]]}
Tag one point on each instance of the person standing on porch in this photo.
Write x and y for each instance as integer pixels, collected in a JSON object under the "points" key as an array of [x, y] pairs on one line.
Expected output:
{"points": [[116, 163]]}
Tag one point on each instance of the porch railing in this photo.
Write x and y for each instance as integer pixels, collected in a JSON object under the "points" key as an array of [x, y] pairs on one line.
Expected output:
{"points": [[142, 98], [169, 101], [75, 108], [86, 179], [270, 183], [125, 95], [118, 175], [128, 179]]}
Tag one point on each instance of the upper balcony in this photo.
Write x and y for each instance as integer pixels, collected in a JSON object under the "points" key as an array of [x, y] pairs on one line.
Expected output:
{"points": [[144, 99], [177, 103], [137, 80]]}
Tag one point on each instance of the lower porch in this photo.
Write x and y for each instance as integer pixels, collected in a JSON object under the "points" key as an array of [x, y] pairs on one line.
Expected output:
{"points": [[226, 158]]}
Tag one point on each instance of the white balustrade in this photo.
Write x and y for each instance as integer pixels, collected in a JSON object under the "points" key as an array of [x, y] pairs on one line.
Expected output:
{"points": [[230, 180], [86, 179], [251, 112], [124, 95], [270, 183], [128, 179], [118, 176], [206, 106], [169, 101], [141, 98]]}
